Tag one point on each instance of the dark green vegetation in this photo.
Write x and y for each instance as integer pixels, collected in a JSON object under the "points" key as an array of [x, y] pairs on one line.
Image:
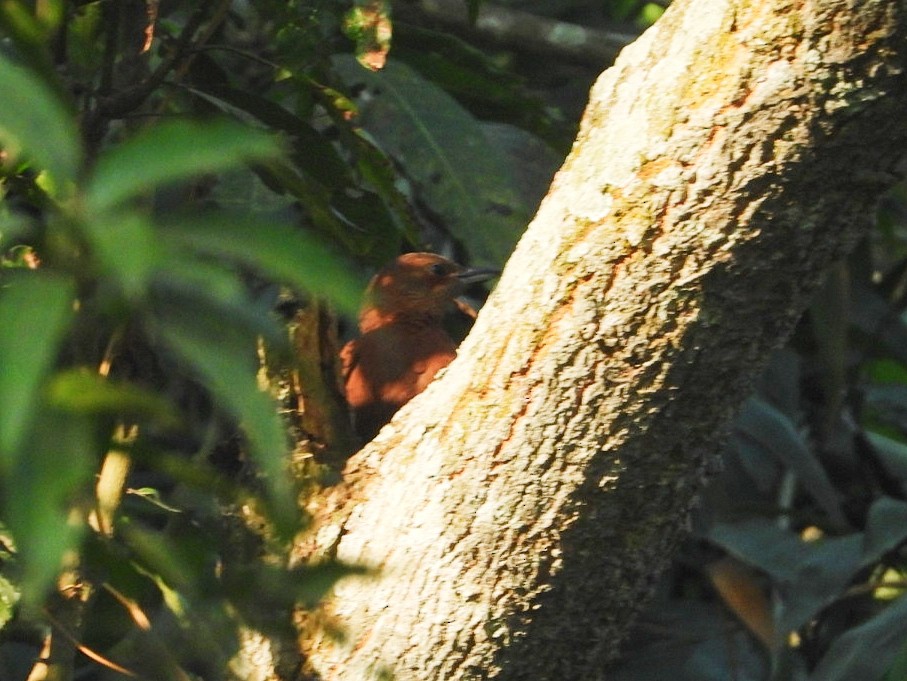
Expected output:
{"points": [[158, 205], [796, 566]]}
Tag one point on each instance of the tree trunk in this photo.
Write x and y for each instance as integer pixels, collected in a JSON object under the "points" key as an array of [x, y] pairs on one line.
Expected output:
{"points": [[520, 510]]}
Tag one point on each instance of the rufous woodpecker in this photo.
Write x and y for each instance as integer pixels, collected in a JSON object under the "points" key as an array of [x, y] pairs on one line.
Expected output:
{"points": [[403, 343]]}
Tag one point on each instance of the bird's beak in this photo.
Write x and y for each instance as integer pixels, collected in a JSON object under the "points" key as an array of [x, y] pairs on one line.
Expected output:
{"points": [[477, 274]]}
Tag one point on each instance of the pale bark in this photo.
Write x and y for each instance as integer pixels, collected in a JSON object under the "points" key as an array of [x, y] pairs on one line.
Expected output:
{"points": [[521, 508]]}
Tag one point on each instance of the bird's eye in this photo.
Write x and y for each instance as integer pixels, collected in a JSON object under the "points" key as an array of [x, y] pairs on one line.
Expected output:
{"points": [[439, 269]]}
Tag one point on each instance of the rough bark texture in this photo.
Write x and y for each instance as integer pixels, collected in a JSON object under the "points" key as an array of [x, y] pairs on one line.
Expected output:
{"points": [[521, 508]]}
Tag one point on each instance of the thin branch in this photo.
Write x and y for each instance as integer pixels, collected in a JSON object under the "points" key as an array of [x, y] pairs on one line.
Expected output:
{"points": [[111, 14], [246, 54], [524, 31], [121, 103], [85, 650]]}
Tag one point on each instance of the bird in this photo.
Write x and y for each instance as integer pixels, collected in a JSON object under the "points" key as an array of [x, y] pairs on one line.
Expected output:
{"points": [[403, 342]]}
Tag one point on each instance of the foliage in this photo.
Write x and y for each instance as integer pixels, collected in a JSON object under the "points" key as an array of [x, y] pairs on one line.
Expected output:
{"points": [[167, 183], [110, 268], [797, 567]]}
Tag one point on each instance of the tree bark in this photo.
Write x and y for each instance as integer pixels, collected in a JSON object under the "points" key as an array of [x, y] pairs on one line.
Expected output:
{"points": [[520, 510]]}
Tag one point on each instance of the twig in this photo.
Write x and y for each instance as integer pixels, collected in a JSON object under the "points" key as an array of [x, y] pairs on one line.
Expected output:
{"points": [[528, 32], [85, 650], [124, 101]]}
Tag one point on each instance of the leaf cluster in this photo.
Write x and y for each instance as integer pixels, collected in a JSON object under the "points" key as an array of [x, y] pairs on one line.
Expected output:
{"points": [[171, 176], [798, 562]]}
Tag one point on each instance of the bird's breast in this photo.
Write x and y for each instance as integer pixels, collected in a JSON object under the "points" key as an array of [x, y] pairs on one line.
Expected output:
{"points": [[391, 365], [398, 363]]}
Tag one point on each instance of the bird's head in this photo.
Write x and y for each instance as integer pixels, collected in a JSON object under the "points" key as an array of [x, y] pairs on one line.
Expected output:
{"points": [[419, 284]]}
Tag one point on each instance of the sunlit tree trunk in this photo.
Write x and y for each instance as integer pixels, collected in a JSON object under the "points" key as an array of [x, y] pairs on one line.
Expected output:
{"points": [[520, 510]]}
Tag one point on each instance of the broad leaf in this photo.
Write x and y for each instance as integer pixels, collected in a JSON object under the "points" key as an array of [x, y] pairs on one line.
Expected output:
{"points": [[277, 251], [887, 403], [82, 392], [315, 198], [173, 151], [311, 151], [223, 356], [478, 81], [808, 575], [866, 651], [34, 313], [893, 454], [761, 423], [694, 642], [35, 123], [125, 248], [462, 174], [56, 464], [184, 560], [886, 528]]}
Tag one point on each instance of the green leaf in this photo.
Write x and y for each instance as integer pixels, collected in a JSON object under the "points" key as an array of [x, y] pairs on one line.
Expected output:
{"points": [[282, 589], [886, 528], [34, 313], [172, 151], [39, 491], [311, 150], [807, 575], [693, 643], [866, 651], [20, 24], [327, 217], [34, 123], [461, 173], [242, 192], [50, 13], [886, 371], [749, 474], [125, 247], [185, 562], [892, 453], [9, 596], [761, 423], [275, 250], [193, 331], [212, 483], [82, 392], [182, 565], [488, 90], [182, 272], [215, 293], [898, 669], [622, 9], [380, 174], [886, 403], [649, 14]]}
